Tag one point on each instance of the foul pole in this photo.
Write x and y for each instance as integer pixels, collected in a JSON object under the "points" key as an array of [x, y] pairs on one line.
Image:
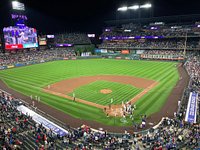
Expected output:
{"points": [[185, 46]]}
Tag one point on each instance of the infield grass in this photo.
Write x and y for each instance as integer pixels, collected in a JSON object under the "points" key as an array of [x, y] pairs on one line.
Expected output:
{"points": [[30, 80], [120, 92]]}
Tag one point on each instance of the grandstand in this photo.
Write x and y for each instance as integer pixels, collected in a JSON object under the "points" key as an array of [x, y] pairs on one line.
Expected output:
{"points": [[72, 38], [160, 38]]}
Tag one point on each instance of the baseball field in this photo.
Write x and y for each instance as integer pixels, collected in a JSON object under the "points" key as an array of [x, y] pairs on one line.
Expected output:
{"points": [[95, 84]]}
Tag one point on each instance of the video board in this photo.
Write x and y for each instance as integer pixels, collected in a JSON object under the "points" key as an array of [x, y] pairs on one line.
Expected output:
{"points": [[42, 41], [50, 36], [20, 37]]}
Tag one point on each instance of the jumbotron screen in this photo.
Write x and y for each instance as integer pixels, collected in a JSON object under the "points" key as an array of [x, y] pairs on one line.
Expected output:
{"points": [[20, 37]]}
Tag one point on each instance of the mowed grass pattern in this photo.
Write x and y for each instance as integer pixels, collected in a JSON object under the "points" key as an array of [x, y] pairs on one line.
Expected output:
{"points": [[30, 80], [120, 92]]}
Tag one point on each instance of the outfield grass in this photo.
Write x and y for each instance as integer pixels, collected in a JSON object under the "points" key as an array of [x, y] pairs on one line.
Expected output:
{"points": [[30, 80], [120, 92]]}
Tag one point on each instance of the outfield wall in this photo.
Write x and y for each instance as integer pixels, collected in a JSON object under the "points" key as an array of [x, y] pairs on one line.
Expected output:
{"points": [[107, 56]]}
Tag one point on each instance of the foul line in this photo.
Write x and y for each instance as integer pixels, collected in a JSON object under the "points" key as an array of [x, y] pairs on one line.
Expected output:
{"points": [[146, 90], [77, 99]]}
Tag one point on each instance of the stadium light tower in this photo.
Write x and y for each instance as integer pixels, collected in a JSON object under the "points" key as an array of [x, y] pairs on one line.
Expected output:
{"points": [[18, 13], [134, 7]]}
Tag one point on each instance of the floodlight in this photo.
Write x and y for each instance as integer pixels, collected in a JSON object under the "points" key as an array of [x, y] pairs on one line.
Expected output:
{"points": [[126, 30], [125, 8], [131, 37], [91, 35], [17, 5], [134, 7], [148, 5]]}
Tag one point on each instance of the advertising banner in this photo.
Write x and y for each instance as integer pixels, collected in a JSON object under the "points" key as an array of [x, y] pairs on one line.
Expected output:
{"points": [[191, 108], [19, 65], [41, 120], [85, 54], [118, 58], [11, 66], [104, 51], [125, 51], [3, 67], [42, 42], [140, 51], [13, 46], [97, 50], [64, 45], [161, 57]]}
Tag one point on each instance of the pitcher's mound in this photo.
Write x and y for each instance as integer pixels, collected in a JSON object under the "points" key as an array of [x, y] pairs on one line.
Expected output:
{"points": [[105, 91]]}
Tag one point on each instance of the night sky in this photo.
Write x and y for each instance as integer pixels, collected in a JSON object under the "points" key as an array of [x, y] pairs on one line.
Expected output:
{"points": [[52, 16]]}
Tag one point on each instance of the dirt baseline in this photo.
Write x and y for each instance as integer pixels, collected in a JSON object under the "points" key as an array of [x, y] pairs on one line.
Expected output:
{"points": [[167, 111], [65, 87]]}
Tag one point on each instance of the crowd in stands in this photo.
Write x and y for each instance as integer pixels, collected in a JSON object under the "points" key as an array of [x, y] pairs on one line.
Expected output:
{"points": [[153, 30], [151, 36], [35, 56], [164, 52], [151, 44], [176, 133], [193, 68], [72, 38], [19, 131]]}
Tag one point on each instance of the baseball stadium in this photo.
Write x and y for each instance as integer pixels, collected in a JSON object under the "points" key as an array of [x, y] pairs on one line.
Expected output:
{"points": [[136, 88]]}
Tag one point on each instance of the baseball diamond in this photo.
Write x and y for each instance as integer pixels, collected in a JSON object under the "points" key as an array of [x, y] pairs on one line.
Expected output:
{"points": [[147, 84], [88, 88]]}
